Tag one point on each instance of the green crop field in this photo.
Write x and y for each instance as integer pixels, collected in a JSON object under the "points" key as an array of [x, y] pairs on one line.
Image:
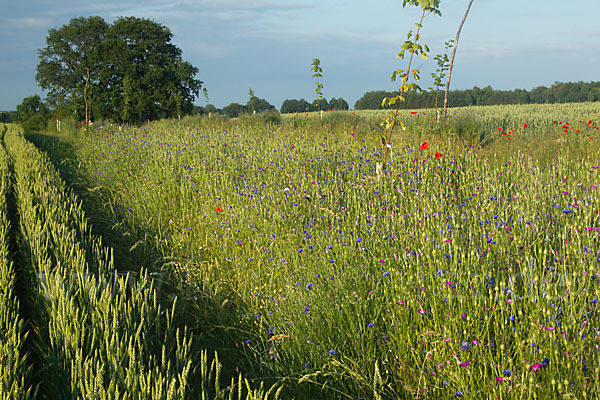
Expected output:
{"points": [[265, 257]]}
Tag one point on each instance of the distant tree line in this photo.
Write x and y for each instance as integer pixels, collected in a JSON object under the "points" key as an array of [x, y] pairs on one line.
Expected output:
{"points": [[254, 105], [568, 92], [258, 105], [299, 106], [7, 117]]}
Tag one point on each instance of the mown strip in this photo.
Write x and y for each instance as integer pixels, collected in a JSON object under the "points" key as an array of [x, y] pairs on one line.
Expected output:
{"points": [[15, 372], [103, 336]]}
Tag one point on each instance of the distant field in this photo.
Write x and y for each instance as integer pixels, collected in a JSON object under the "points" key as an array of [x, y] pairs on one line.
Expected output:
{"points": [[471, 267], [490, 118]]}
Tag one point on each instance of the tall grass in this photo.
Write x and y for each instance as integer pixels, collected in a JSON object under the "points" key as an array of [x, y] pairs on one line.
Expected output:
{"points": [[469, 269]]}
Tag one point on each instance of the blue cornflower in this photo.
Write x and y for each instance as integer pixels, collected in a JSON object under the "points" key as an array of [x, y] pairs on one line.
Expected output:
{"points": [[546, 361], [308, 286], [370, 325], [332, 352], [459, 393], [507, 372]]}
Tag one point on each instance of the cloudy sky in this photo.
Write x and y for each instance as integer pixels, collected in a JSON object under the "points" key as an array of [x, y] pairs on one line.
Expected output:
{"points": [[268, 45]]}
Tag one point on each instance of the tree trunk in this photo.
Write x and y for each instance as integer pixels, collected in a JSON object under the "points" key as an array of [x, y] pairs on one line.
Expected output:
{"points": [[85, 99], [452, 60]]}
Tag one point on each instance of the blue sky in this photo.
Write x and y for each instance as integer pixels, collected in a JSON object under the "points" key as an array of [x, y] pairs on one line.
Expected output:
{"points": [[268, 45]]}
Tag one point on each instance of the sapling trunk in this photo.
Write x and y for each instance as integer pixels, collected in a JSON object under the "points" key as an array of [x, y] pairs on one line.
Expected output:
{"points": [[412, 53], [452, 59]]}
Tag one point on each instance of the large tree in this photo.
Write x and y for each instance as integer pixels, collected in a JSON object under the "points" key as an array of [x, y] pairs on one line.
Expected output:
{"points": [[71, 61], [128, 71]]}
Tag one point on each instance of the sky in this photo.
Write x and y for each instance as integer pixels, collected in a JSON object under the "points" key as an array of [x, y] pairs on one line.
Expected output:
{"points": [[269, 45]]}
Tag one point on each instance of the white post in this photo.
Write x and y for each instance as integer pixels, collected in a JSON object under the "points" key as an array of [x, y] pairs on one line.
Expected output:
{"points": [[379, 169]]}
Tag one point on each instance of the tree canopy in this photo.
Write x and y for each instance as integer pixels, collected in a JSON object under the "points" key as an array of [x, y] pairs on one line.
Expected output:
{"points": [[128, 71]]}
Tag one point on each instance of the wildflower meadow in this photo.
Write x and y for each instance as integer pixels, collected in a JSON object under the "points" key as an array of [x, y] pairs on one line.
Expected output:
{"points": [[468, 267]]}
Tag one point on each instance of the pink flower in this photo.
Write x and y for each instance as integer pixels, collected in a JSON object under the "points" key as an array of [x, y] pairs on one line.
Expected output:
{"points": [[465, 364], [499, 379], [535, 367]]}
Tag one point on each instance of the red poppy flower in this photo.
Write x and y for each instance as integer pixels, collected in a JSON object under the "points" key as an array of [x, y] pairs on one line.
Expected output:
{"points": [[438, 155], [425, 146], [525, 126], [219, 209], [413, 112]]}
